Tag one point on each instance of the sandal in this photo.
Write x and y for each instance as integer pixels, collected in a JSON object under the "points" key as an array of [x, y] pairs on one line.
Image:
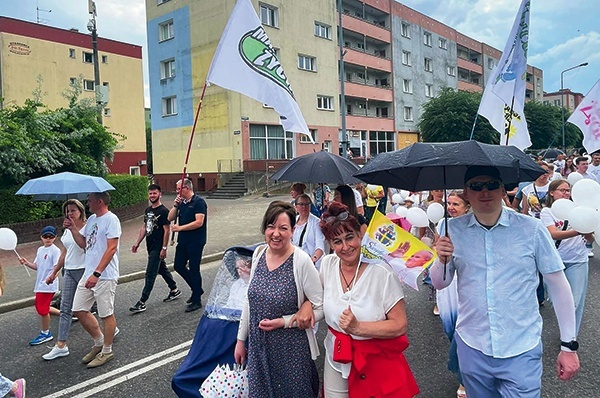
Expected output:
{"points": [[461, 393]]}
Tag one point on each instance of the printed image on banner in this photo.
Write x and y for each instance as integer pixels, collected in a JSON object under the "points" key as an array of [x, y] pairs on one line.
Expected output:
{"points": [[386, 242]]}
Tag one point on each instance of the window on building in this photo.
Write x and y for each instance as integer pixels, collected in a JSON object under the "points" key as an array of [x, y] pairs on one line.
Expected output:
{"points": [[167, 69], [381, 111], [159, 2], [72, 80], [557, 102], [428, 65], [428, 90], [306, 62], [88, 58], [451, 70], [443, 43], [408, 113], [405, 30], [105, 59], [324, 102], [106, 111], [277, 52], [269, 15], [88, 85], [381, 141], [360, 45], [322, 30], [406, 58], [270, 142], [135, 170], [105, 84], [71, 53], [304, 138], [491, 63], [407, 86], [427, 38], [169, 106], [166, 31]]}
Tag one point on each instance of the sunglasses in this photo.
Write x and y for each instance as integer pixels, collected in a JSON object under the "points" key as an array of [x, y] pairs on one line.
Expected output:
{"points": [[489, 185], [340, 217], [48, 236], [303, 204]]}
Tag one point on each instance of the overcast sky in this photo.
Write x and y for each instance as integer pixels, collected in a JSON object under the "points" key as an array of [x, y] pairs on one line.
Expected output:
{"points": [[562, 33]]}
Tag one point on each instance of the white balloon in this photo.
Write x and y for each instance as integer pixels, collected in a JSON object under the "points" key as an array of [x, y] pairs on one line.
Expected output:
{"points": [[562, 208], [585, 193], [417, 217], [435, 212], [405, 194], [401, 211], [397, 198], [584, 220], [574, 177], [372, 187], [8, 239]]}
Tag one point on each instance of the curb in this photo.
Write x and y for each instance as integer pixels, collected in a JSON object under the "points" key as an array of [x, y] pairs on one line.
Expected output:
{"points": [[29, 302]]}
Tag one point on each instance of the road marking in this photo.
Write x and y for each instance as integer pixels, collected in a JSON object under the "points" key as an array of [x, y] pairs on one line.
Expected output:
{"points": [[130, 376], [117, 371]]}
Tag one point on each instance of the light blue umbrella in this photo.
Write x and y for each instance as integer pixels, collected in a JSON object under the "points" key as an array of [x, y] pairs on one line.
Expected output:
{"points": [[63, 186]]}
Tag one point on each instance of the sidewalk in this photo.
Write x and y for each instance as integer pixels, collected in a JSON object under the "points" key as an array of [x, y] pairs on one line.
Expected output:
{"points": [[229, 223]]}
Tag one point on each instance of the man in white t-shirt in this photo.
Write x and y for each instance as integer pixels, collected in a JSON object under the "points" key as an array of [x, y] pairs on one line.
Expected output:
{"points": [[594, 168], [100, 240]]}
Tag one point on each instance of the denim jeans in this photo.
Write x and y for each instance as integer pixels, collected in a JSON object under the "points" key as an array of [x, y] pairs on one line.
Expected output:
{"points": [[5, 386], [156, 266], [577, 275]]}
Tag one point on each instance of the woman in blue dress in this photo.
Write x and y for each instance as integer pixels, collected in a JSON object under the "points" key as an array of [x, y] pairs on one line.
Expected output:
{"points": [[280, 355]]}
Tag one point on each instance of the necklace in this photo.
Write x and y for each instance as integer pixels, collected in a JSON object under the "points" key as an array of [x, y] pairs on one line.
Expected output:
{"points": [[351, 280]]}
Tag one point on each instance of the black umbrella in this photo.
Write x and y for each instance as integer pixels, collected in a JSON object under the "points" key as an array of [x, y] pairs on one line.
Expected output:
{"points": [[429, 165], [318, 167], [551, 153], [432, 165]]}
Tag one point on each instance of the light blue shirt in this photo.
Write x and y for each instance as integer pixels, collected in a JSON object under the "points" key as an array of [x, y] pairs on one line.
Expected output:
{"points": [[497, 270]]}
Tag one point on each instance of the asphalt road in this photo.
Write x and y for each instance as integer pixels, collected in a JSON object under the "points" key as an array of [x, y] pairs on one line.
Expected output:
{"points": [[152, 345]]}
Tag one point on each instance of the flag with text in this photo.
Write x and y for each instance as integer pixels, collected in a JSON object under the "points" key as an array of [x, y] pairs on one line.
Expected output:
{"points": [[587, 118]]}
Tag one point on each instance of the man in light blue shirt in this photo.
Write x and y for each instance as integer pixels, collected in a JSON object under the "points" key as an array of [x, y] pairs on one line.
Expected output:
{"points": [[497, 254]]}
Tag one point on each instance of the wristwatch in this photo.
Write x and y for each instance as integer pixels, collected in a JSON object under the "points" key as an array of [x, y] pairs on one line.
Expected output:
{"points": [[164, 247], [96, 274], [571, 345]]}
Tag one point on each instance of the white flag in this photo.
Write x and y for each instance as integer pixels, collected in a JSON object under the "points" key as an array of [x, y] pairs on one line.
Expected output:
{"points": [[587, 118], [503, 99], [245, 62]]}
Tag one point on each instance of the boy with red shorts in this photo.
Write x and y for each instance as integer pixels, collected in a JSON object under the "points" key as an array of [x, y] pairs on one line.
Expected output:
{"points": [[45, 260]]}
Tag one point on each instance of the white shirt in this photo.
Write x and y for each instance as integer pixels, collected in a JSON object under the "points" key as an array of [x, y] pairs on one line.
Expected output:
{"points": [[594, 171], [45, 259], [357, 198], [97, 232], [571, 250], [313, 238], [371, 298], [535, 198], [75, 257]]}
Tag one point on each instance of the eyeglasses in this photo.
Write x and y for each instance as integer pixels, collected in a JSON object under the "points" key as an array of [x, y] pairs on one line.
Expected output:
{"points": [[489, 185], [302, 204], [340, 217], [564, 190], [48, 236]]}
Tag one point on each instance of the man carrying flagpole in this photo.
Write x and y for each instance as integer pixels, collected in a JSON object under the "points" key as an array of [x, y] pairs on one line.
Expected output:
{"points": [[245, 62], [587, 118], [503, 99]]}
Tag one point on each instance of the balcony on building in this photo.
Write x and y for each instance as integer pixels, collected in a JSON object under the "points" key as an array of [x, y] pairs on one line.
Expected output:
{"points": [[365, 114], [469, 80], [367, 51], [368, 83], [357, 10], [469, 59]]}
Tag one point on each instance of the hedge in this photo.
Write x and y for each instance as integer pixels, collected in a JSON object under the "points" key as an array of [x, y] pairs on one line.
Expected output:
{"points": [[129, 190]]}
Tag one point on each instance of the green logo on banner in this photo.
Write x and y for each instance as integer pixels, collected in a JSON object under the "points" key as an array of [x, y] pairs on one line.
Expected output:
{"points": [[256, 50]]}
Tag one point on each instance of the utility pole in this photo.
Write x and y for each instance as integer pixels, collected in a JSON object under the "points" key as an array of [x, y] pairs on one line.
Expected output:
{"points": [[342, 77], [92, 28]]}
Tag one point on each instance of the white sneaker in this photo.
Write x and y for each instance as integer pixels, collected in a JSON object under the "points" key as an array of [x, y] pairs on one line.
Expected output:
{"points": [[56, 352], [590, 254], [117, 331]]}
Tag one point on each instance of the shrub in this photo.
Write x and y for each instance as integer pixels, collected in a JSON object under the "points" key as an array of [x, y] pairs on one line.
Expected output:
{"points": [[129, 190]]}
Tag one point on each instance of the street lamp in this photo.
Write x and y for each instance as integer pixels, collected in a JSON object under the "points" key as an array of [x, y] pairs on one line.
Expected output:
{"points": [[562, 102], [92, 28]]}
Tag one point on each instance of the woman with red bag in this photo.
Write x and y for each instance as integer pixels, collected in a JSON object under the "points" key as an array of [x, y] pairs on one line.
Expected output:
{"points": [[364, 310]]}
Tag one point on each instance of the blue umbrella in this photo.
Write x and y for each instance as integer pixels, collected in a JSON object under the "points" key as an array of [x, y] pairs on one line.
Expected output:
{"points": [[63, 186]]}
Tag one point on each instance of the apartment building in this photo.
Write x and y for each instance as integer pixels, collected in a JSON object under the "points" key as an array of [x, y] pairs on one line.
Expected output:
{"points": [[394, 60], [34, 55], [569, 98]]}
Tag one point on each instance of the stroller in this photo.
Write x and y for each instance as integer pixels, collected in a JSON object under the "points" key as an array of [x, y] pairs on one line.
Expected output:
{"points": [[216, 335]]}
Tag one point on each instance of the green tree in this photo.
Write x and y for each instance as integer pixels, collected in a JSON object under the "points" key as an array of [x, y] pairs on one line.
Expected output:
{"points": [[544, 124], [36, 141], [450, 115]]}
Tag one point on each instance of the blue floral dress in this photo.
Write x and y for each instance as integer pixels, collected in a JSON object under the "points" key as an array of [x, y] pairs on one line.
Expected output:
{"points": [[279, 361]]}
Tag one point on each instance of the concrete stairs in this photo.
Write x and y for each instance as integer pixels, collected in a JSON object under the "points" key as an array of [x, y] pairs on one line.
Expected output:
{"points": [[232, 189]]}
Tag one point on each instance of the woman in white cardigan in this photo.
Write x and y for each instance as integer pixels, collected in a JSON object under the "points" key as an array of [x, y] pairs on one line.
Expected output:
{"points": [[280, 355], [307, 233]]}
